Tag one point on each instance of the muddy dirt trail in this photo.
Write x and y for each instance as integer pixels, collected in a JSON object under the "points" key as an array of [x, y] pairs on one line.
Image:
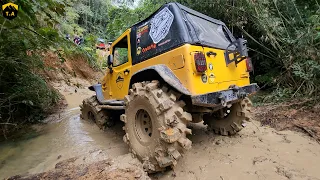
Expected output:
{"points": [[67, 147], [256, 153]]}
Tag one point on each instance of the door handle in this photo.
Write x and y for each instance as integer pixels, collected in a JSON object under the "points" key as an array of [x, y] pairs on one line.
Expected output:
{"points": [[126, 72], [211, 53]]}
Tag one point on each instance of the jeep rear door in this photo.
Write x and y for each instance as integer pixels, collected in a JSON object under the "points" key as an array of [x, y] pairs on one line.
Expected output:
{"points": [[215, 38]]}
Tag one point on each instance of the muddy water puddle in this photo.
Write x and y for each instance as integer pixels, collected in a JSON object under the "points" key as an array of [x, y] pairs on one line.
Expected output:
{"points": [[63, 137]]}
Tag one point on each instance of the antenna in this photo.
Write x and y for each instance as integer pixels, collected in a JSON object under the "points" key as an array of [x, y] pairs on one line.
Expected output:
{"points": [[232, 16]]}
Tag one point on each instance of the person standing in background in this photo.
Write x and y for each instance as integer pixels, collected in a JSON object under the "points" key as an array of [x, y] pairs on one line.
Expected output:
{"points": [[76, 40]]}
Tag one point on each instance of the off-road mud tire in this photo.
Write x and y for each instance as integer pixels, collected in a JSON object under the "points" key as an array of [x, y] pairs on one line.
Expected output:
{"points": [[90, 111], [162, 143], [234, 122]]}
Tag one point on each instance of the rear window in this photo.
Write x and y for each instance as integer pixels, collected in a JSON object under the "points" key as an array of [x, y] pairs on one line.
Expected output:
{"points": [[210, 33], [159, 33]]}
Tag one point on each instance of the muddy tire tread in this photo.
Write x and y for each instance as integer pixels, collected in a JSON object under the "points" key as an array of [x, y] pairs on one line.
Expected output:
{"points": [[91, 104], [164, 101]]}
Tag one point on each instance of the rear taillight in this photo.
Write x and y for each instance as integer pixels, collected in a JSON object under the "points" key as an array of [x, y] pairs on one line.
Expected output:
{"points": [[249, 65], [200, 61]]}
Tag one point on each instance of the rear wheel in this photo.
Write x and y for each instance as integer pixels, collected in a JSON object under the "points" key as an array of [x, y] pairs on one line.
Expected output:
{"points": [[155, 126], [229, 121], [90, 111]]}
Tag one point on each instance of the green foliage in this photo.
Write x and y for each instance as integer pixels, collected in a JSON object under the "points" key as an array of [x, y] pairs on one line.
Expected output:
{"points": [[24, 95], [120, 56], [85, 17]]}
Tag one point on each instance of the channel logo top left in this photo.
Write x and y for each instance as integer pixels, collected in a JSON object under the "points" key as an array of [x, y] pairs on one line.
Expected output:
{"points": [[10, 10]]}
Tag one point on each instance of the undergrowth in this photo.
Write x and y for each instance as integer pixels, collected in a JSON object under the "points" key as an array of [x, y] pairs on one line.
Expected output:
{"points": [[25, 96]]}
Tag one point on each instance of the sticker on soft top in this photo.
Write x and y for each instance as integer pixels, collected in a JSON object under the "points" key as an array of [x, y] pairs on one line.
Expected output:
{"points": [[160, 25]]}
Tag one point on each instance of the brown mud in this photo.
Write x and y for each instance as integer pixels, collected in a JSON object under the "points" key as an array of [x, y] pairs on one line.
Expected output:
{"points": [[122, 168]]}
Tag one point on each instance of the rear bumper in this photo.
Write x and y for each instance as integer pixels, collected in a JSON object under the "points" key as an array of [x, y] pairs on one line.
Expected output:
{"points": [[220, 98]]}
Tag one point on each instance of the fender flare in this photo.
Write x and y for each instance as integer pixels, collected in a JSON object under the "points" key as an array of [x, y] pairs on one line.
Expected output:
{"points": [[167, 75]]}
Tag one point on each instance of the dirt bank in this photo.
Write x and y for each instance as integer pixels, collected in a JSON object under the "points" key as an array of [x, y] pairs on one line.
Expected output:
{"points": [[70, 76], [302, 116], [76, 66], [122, 168]]}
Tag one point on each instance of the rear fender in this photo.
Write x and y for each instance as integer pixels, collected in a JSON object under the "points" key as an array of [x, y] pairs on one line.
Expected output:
{"points": [[164, 73]]}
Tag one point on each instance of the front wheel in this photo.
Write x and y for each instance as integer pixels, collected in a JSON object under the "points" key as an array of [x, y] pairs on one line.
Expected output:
{"points": [[229, 121], [155, 126], [90, 111]]}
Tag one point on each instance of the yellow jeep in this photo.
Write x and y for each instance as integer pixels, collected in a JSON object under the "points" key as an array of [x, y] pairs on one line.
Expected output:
{"points": [[176, 67]]}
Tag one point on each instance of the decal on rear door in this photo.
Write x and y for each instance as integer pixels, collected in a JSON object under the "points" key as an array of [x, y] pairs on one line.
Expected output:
{"points": [[160, 25]]}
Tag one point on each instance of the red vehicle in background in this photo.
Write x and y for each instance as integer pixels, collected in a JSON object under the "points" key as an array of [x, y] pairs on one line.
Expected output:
{"points": [[101, 44]]}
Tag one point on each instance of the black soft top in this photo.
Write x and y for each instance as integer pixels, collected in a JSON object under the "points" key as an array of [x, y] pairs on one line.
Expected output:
{"points": [[174, 25], [182, 7]]}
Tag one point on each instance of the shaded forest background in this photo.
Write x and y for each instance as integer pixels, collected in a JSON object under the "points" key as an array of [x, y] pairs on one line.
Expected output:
{"points": [[283, 36]]}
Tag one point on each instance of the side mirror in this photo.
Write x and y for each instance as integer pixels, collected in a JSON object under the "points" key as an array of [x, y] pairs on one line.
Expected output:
{"points": [[110, 60]]}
